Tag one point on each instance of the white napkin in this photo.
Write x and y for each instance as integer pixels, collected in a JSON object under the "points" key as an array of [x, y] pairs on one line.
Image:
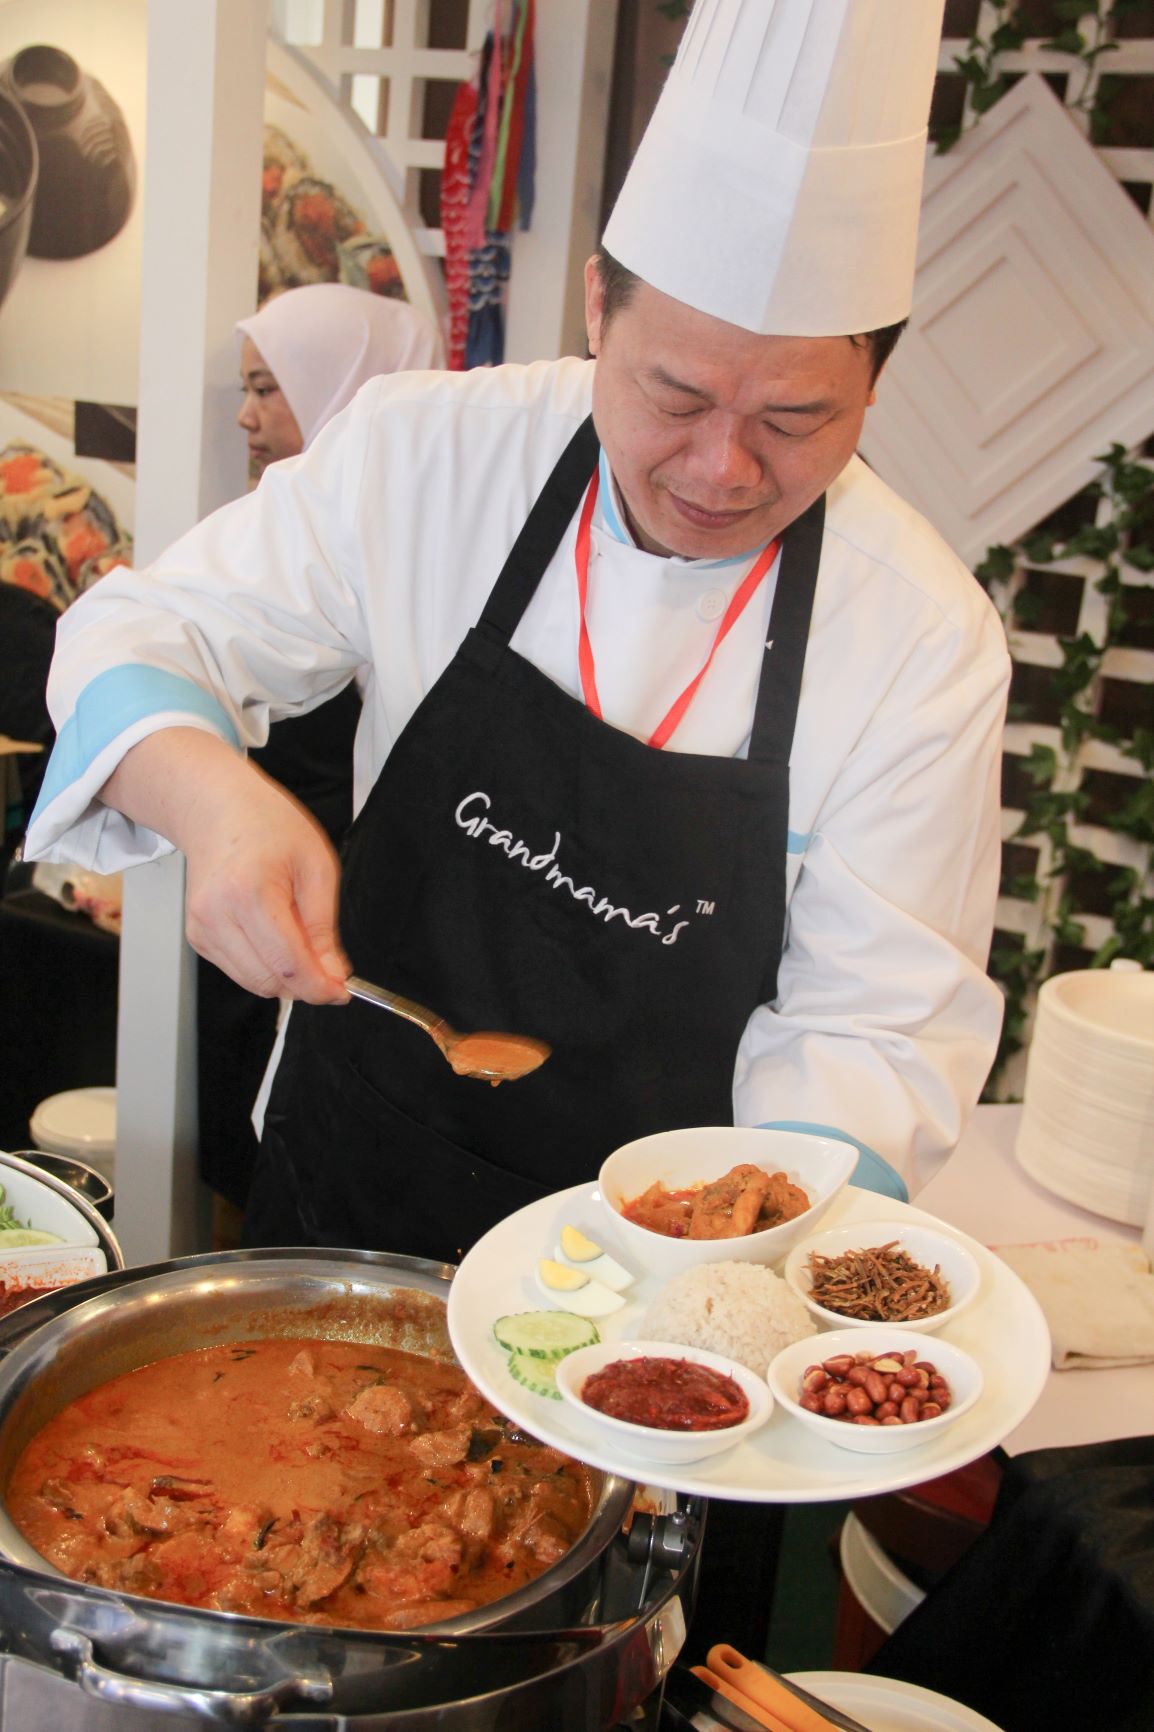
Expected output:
{"points": [[1097, 1296]]}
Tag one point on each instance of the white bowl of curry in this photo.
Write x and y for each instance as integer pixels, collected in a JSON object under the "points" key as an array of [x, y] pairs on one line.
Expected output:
{"points": [[720, 1193]]}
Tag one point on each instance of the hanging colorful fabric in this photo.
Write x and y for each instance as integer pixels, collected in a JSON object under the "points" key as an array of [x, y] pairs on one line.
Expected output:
{"points": [[489, 120], [489, 262], [503, 192], [527, 166], [454, 200], [490, 158]]}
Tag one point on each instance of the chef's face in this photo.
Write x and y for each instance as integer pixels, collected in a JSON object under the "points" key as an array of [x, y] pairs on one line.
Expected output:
{"points": [[265, 415], [718, 438]]}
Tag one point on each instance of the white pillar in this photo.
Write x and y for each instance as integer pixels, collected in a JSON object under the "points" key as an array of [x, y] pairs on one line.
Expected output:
{"points": [[574, 53], [201, 235]]}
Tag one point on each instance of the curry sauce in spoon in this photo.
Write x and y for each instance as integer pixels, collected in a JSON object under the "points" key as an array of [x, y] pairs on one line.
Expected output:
{"points": [[487, 1055]]}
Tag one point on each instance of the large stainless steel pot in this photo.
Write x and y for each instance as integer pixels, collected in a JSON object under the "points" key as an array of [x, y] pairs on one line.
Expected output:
{"points": [[596, 1632]]}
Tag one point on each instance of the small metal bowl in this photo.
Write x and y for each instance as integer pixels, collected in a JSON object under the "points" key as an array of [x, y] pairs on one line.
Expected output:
{"points": [[86, 1180]]}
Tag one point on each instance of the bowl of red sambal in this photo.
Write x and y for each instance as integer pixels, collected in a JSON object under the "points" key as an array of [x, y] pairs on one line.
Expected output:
{"points": [[663, 1402]]}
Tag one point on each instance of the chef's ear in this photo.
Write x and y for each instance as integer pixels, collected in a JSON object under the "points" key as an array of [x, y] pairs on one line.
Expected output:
{"points": [[594, 303], [874, 382]]}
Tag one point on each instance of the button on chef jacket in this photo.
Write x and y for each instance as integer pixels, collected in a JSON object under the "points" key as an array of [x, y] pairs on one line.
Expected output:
{"points": [[374, 552]]}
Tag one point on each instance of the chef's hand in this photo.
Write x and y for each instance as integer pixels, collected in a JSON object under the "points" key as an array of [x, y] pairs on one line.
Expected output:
{"points": [[261, 900]]}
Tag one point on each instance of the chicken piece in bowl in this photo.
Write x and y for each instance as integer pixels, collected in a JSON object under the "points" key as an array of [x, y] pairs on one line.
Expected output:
{"points": [[658, 1188]]}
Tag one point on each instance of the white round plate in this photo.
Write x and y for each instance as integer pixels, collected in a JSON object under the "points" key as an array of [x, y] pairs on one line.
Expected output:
{"points": [[889, 1705], [782, 1463]]}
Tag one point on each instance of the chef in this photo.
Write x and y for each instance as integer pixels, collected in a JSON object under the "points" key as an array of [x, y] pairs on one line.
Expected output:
{"points": [[681, 732]]}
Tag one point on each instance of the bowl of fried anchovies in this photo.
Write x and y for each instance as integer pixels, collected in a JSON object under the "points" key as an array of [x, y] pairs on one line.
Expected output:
{"points": [[905, 1275]]}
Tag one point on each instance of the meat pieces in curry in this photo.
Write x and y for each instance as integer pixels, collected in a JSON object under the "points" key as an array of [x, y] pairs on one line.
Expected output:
{"points": [[745, 1200], [322, 1482]]}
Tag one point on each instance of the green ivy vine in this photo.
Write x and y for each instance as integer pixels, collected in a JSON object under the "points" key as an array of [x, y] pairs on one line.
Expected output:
{"points": [[1084, 34], [1123, 534]]}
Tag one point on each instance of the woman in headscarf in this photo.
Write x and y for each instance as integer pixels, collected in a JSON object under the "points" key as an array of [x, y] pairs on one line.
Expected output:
{"points": [[303, 357], [307, 353]]}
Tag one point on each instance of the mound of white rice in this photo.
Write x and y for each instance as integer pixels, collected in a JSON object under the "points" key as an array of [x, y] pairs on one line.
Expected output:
{"points": [[743, 1310]]}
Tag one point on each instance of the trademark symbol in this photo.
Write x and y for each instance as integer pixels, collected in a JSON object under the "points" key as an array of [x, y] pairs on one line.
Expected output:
{"points": [[704, 907]]}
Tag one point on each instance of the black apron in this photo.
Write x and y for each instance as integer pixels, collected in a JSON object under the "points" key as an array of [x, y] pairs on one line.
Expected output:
{"points": [[521, 865]]}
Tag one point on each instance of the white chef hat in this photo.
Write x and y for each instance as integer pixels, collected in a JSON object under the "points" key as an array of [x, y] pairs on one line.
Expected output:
{"points": [[322, 342], [779, 181]]}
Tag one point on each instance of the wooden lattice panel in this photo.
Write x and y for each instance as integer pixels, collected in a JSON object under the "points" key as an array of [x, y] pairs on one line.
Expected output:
{"points": [[1068, 602], [378, 55], [1031, 346]]}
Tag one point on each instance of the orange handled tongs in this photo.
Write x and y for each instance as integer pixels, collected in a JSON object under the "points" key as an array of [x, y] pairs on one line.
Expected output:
{"points": [[768, 1698]]}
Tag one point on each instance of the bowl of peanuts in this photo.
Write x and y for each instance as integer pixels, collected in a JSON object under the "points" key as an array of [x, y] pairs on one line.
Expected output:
{"points": [[874, 1391]]}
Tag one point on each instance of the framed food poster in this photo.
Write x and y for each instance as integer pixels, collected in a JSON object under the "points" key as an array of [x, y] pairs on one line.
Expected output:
{"points": [[73, 73], [64, 520], [329, 211], [70, 321]]}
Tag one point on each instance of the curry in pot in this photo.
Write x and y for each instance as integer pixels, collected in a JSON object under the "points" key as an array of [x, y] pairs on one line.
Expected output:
{"points": [[323, 1482]]}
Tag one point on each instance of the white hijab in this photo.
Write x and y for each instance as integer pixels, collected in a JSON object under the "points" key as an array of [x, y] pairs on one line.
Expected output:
{"points": [[322, 342]]}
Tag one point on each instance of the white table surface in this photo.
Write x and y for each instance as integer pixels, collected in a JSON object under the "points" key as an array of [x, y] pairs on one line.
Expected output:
{"points": [[983, 1190]]}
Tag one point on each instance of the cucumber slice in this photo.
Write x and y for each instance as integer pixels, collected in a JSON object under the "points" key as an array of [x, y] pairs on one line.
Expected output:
{"points": [[545, 1334], [538, 1375]]}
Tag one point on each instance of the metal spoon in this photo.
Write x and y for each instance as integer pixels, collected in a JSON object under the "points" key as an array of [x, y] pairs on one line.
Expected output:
{"points": [[491, 1057]]}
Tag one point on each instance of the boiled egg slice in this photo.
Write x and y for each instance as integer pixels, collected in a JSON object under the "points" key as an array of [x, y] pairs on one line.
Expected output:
{"points": [[588, 1298], [576, 1249]]}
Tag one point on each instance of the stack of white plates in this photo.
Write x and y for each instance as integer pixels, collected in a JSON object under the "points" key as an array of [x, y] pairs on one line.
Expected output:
{"points": [[1087, 1130]]}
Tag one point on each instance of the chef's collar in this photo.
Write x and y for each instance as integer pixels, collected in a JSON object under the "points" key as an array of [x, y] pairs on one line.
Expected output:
{"points": [[610, 516]]}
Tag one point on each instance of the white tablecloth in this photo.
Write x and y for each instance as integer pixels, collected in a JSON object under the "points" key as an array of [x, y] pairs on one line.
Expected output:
{"points": [[984, 1191]]}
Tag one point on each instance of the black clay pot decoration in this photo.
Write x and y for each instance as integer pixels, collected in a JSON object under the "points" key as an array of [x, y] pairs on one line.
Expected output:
{"points": [[18, 173], [87, 169]]}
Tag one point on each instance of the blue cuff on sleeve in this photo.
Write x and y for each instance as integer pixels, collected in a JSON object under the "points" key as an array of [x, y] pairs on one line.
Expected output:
{"points": [[871, 1172], [112, 702]]}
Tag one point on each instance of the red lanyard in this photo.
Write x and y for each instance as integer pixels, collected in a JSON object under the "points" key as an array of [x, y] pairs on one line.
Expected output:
{"points": [[669, 722]]}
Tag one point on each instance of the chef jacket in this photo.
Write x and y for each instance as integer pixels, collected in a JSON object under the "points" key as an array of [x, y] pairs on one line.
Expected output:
{"points": [[372, 553]]}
